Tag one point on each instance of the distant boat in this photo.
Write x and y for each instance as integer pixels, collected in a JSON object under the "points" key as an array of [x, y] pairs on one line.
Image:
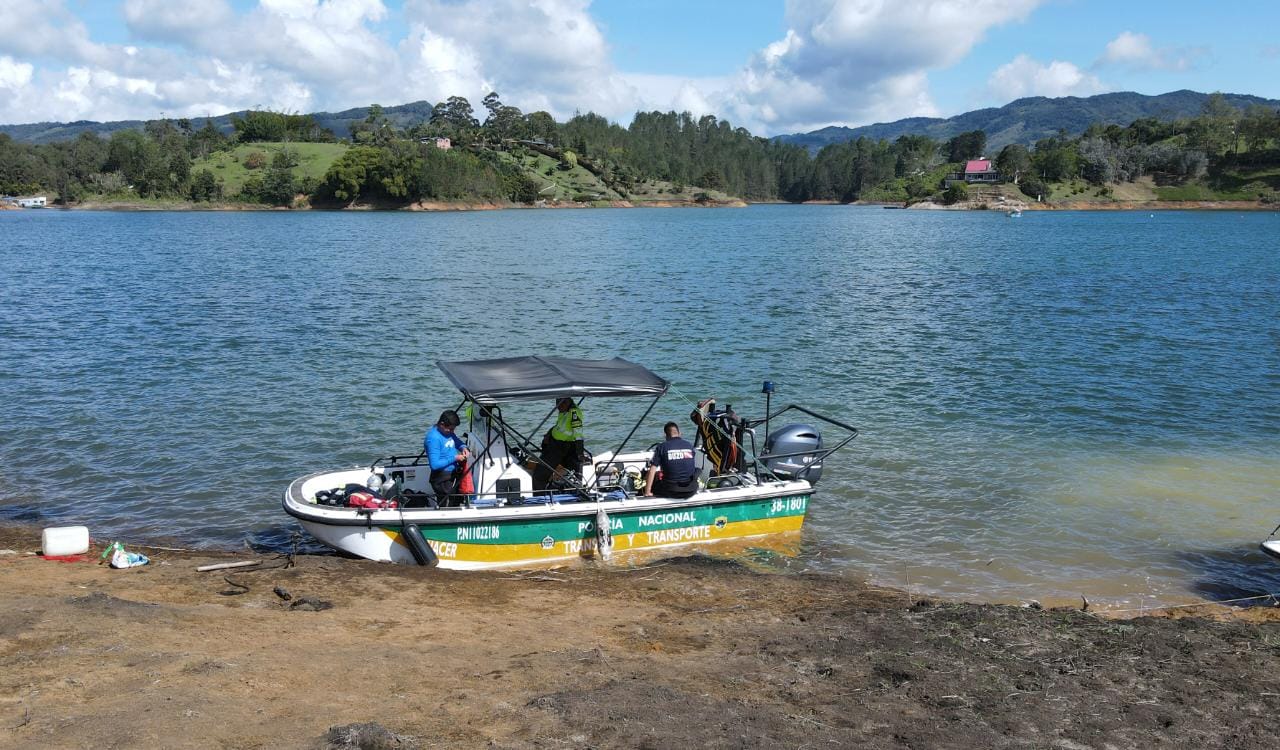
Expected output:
{"points": [[1014, 214]]}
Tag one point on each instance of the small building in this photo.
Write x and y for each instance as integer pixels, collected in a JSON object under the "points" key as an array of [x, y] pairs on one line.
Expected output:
{"points": [[34, 201], [444, 144], [980, 170]]}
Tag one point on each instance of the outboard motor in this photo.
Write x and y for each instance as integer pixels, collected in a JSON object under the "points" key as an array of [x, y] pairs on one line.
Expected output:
{"points": [[802, 439]]}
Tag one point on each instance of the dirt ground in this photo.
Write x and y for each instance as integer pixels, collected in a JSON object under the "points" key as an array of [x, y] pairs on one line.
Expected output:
{"points": [[687, 652]]}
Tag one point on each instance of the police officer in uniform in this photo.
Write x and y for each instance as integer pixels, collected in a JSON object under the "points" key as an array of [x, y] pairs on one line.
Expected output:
{"points": [[562, 445], [674, 458]]}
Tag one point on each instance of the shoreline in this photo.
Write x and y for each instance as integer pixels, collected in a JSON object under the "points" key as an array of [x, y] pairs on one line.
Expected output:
{"points": [[1154, 206], [1135, 206], [439, 206], [423, 206], [779, 546], [682, 651]]}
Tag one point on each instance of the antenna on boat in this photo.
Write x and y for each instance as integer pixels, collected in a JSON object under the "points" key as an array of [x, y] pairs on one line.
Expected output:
{"points": [[767, 390]]}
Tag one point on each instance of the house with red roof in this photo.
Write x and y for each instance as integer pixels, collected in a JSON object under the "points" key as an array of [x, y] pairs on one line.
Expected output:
{"points": [[980, 170]]}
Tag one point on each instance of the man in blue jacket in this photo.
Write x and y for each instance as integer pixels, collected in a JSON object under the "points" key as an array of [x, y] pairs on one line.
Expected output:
{"points": [[445, 451]]}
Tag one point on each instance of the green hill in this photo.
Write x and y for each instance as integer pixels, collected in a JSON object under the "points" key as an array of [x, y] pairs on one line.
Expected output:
{"points": [[401, 116], [1021, 121], [1028, 120]]}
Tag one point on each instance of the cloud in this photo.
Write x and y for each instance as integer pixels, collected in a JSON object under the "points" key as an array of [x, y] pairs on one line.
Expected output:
{"points": [[1025, 76], [857, 61], [46, 29], [320, 43], [1135, 51], [14, 75], [545, 54], [840, 61], [190, 59], [167, 21]]}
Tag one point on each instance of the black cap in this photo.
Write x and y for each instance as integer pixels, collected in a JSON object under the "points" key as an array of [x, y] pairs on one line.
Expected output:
{"points": [[449, 418]]}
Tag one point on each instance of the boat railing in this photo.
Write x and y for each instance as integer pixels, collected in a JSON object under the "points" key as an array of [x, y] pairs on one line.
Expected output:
{"points": [[395, 461], [816, 456], [758, 464]]}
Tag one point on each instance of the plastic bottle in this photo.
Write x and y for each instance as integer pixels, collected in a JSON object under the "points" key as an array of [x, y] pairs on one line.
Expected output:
{"points": [[111, 550], [124, 559], [60, 541]]}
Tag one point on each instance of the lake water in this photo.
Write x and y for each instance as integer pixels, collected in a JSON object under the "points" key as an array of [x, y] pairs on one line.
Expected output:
{"points": [[1062, 404]]}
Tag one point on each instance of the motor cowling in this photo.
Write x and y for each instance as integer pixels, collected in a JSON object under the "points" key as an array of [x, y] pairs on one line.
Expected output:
{"points": [[796, 447]]}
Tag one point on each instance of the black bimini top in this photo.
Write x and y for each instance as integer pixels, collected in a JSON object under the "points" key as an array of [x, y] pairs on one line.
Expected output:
{"points": [[492, 381]]}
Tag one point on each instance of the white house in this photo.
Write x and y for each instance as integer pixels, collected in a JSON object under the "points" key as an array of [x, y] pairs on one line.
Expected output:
{"points": [[35, 201]]}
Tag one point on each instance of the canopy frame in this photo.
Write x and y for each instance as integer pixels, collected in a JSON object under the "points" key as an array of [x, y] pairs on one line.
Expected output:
{"points": [[534, 378]]}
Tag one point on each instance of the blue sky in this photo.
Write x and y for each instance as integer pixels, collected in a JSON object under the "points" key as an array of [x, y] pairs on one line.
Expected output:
{"points": [[773, 67]]}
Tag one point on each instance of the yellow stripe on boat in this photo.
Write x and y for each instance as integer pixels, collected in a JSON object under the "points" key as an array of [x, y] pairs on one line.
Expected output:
{"points": [[508, 554]]}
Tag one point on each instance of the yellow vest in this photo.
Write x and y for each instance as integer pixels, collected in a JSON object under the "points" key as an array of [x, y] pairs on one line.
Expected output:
{"points": [[568, 426]]}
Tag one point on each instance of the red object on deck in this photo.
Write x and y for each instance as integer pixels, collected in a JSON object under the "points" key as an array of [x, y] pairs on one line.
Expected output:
{"points": [[466, 486], [369, 501]]}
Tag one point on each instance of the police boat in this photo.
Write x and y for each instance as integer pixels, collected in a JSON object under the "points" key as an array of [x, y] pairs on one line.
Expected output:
{"points": [[386, 510]]}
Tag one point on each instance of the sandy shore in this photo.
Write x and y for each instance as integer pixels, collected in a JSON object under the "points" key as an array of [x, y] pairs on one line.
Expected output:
{"points": [[690, 652]]}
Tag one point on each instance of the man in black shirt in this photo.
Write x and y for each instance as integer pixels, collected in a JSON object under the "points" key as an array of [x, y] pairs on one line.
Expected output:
{"points": [[674, 458]]}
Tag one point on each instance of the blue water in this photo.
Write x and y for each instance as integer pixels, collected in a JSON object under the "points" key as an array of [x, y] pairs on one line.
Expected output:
{"points": [[1067, 403]]}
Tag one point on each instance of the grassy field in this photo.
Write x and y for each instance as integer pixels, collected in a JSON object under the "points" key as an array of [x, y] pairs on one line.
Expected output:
{"points": [[558, 183], [1239, 184], [1234, 185], [653, 191], [228, 166], [579, 184]]}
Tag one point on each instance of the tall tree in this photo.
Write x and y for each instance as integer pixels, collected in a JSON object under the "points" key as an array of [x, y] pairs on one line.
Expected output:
{"points": [[1258, 126], [1014, 161], [968, 145], [454, 116], [541, 125], [503, 121], [1215, 129], [376, 128], [258, 126]]}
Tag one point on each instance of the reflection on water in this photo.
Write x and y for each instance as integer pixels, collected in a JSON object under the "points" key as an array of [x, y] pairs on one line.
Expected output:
{"points": [[1235, 573], [1072, 403]]}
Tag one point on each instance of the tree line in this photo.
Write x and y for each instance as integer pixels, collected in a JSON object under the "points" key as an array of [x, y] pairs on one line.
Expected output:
{"points": [[1220, 139], [389, 164]]}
